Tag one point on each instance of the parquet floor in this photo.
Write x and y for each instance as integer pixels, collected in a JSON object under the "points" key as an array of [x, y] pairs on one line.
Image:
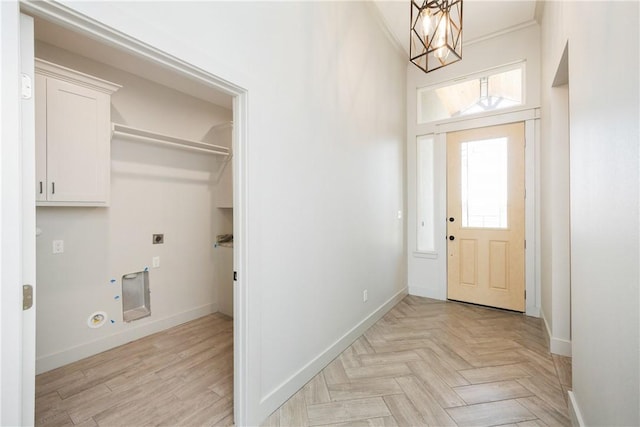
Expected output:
{"points": [[433, 363], [181, 376], [425, 363]]}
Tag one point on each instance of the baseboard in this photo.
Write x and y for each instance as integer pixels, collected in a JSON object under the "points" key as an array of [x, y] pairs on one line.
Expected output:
{"points": [[574, 411], [421, 291], [533, 311], [73, 354], [558, 346], [284, 391]]}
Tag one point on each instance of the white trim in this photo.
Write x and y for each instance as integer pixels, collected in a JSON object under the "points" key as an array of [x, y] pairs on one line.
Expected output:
{"points": [[11, 172], [68, 75], [558, 346], [302, 376], [28, 212], [64, 357], [501, 32], [574, 411], [532, 301], [490, 119], [429, 255], [69, 18], [421, 291], [388, 32]]}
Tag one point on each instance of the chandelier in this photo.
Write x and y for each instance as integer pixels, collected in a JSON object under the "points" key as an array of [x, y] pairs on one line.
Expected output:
{"points": [[436, 33]]}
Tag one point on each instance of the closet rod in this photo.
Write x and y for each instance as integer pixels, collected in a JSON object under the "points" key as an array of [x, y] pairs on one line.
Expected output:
{"points": [[153, 137]]}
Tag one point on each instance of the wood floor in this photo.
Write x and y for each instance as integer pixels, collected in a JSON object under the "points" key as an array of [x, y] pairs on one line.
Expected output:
{"points": [[433, 363], [182, 376], [425, 363]]}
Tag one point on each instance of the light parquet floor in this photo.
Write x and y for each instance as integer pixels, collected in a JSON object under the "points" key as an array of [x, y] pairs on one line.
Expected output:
{"points": [[425, 363], [434, 363], [179, 377]]}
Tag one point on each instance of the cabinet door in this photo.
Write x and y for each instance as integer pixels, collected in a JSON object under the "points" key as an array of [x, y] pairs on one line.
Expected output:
{"points": [[77, 143], [41, 137]]}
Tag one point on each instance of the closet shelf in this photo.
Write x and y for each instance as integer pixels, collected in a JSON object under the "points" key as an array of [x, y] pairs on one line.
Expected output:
{"points": [[143, 135]]}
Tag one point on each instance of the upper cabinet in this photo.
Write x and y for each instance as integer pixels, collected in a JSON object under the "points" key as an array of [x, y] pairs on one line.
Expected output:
{"points": [[73, 136]]}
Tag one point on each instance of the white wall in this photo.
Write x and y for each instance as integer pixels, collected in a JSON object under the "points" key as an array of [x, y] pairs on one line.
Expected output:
{"points": [[554, 194], [325, 162], [604, 108], [154, 189], [427, 273]]}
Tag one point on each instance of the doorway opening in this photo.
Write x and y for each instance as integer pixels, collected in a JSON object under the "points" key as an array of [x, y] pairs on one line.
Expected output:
{"points": [[174, 191]]}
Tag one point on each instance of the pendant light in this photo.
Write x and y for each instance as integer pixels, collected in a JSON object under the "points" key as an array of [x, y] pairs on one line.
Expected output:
{"points": [[436, 33]]}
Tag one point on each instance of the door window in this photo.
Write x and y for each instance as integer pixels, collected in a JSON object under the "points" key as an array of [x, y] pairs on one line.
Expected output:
{"points": [[483, 182]]}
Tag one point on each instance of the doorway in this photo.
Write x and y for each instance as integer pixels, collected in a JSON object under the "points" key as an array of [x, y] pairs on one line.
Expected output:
{"points": [[486, 216], [189, 77]]}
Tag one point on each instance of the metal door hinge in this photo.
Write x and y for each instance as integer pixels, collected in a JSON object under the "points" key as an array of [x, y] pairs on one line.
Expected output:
{"points": [[235, 276], [27, 297], [525, 294]]}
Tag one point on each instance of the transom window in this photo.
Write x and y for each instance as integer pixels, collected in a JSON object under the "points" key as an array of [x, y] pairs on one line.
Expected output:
{"points": [[492, 91]]}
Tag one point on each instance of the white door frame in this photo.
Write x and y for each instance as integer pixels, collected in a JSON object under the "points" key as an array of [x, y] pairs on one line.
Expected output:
{"points": [[530, 117], [27, 127], [435, 263], [11, 315], [68, 18]]}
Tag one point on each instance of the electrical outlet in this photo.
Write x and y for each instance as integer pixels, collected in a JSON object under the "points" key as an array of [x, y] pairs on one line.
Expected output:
{"points": [[58, 246], [155, 262], [365, 295]]}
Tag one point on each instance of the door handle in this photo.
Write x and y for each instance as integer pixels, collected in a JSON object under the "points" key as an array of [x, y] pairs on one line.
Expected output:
{"points": [[452, 238], [451, 219]]}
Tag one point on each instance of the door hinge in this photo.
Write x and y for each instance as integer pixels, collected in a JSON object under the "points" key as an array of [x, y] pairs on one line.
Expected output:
{"points": [[27, 297], [27, 87], [525, 244], [235, 276], [525, 294]]}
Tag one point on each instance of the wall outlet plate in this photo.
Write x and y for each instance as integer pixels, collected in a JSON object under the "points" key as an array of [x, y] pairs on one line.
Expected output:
{"points": [[58, 246]]}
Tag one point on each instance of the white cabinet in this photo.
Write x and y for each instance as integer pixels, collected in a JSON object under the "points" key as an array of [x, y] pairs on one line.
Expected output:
{"points": [[224, 189], [73, 137]]}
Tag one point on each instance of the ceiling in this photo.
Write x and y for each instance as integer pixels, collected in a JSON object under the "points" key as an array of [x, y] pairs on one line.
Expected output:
{"points": [[480, 18]]}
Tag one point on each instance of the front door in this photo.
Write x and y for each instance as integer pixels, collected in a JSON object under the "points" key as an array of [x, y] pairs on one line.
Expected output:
{"points": [[485, 216]]}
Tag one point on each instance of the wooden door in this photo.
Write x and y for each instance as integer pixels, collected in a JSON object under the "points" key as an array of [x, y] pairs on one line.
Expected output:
{"points": [[485, 216]]}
